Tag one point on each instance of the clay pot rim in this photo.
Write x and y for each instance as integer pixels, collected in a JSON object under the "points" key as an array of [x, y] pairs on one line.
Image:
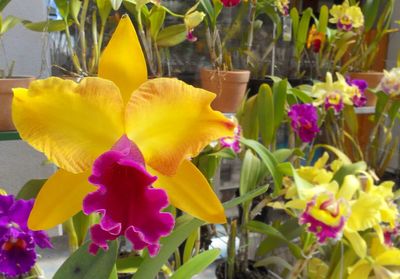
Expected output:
{"points": [[236, 76], [224, 71]]}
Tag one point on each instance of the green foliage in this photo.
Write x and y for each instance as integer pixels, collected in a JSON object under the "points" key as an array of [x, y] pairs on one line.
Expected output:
{"points": [[31, 189], [196, 264], [82, 265]]}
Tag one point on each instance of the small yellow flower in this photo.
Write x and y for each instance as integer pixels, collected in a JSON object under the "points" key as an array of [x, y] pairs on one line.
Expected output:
{"points": [[347, 17]]}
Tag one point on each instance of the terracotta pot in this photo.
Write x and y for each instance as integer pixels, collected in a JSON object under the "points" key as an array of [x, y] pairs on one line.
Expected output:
{"points": [[373, 79], [230, 87], [6, 96]]}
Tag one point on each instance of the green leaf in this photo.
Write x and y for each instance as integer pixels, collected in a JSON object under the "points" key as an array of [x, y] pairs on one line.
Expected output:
{"points": [[303, 31], [283, 154], [268, 230], [172, 35], [226, 153], [116, 4], [280, 91], [47, 26], [347, 170], [323, 19], [8, 23], [114, 273], [303, 96], [82, 265], [196, 265], [273, 260], [31, 189], [265, 108], [189, 245], [81, 223], [351, 120], [3, 4], [63, 8], [104, 7], [269, 160], [75, 7], [370, 9], [248, 119], [247, 197], [294, 15], [157, 17], [290, 230], [128, 264], [249, 173], [150, 266]]}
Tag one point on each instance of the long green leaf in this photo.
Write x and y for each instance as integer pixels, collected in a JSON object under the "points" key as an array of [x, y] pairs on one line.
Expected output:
{"points": [[294, 15], [157, 17], [269, 160], [47, 26], [280, 91], [128, 264], [268, 230], [303, 31], [196, 265], [3, 4], [82, 265], [370, 9], [323, 19], [104, 7], [249, 173], [151, 266], [171, 35], [347, 170], [31, 189], [247, 197], [265, 108]]}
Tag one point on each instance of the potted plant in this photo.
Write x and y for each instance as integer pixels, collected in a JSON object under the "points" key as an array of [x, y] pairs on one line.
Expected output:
{"points": [[156, 36], [229, 84], [366, 56], [7, 80]]}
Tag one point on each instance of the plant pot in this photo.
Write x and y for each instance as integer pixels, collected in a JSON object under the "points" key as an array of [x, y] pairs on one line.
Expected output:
{"points": [[6, 96], [373, 79], [230, 87]]}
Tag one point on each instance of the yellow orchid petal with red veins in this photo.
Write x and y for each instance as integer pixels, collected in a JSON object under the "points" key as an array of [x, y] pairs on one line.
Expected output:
{"points": [[122, 135], [176, 122]]}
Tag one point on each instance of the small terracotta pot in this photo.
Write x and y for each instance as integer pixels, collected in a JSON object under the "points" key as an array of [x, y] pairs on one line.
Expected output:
{"points": [[373, 79], [6, 96], [230, 87]]}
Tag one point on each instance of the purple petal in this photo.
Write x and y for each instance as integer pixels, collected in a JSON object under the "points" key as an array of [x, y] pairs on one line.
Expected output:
{"points": [[128, 204]]}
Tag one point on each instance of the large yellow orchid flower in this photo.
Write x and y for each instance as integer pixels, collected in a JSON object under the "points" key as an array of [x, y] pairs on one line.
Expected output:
{"points": [[115, 136]]}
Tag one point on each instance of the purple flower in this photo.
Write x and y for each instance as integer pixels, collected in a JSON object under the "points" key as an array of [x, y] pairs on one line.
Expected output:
{"points": [[190, 36], [359, 86], [124, 190], [17, 241], [334, 100], [304, 121], [325, 216], [232, 142]]}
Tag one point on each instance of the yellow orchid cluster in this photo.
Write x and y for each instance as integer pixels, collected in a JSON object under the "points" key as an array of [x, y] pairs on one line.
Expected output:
{"points": [[347, 17], [283, 6], [350, 210]]}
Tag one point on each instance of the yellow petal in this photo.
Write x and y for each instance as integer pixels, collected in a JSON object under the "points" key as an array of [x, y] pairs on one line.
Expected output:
{"points": [[60, 198], [171, 121], [189, 191], [360, 270], [350, 186], [122, 61], [72, 124], [357, 242], [389, 258]]}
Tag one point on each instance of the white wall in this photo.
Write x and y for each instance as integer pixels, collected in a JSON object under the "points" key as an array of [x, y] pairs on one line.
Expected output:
{"points": [[18, 161], [23, 46], [394, 39]]}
